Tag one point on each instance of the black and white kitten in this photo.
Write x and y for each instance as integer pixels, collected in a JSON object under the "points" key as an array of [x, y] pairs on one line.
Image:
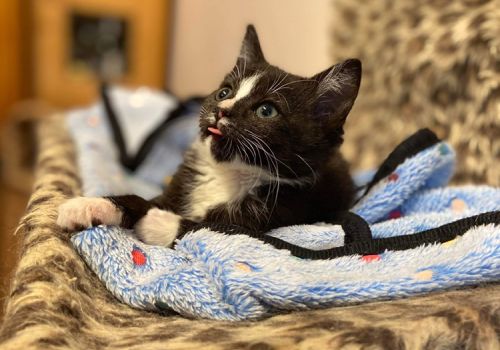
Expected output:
{"points": [[267, 156]]}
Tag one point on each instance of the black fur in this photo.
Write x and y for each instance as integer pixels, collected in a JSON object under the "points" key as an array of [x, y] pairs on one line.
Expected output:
{"points": [[304, 138]]}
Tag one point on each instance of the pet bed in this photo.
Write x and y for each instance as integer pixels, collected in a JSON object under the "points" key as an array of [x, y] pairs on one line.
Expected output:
{"points": [[234, 277], [57, 302]]}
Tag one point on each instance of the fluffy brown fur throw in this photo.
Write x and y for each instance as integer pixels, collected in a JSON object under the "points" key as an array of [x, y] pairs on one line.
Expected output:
{"points": [[432, 64]]}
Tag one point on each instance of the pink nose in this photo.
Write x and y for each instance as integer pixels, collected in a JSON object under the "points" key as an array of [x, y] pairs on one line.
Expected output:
{"points": [[222, 113]]}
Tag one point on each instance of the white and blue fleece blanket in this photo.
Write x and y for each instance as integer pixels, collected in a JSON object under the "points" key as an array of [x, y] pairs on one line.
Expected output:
{"points": [[424, 236], [139, 113]]}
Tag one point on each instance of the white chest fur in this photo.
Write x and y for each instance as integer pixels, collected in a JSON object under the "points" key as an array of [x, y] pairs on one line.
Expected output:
{"points": [[220, 183]]}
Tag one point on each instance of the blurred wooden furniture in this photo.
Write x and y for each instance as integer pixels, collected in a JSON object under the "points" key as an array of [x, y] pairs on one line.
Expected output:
{"points": [[63, 82], [11, 56], [12, 89], [13, 204], [18, 142]]}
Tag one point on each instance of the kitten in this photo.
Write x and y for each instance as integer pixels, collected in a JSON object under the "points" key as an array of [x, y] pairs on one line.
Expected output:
{"points": [[267, 156]]}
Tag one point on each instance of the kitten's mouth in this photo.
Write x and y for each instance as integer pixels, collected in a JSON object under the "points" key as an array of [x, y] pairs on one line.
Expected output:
{"points": [[216, 133]]}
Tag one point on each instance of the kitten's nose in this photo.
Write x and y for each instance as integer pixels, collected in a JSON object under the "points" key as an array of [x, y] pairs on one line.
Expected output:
{"points": [[222, 113]]}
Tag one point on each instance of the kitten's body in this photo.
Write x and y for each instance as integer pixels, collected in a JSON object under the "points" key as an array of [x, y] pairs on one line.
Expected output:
{"points": [[267, 156], [237, 193]]}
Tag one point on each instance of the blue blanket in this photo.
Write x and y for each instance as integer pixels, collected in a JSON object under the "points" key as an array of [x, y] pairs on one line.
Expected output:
{"points": [[222, 276], [139, 112]]}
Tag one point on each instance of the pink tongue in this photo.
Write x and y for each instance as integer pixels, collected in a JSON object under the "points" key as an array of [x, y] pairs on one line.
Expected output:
{"points": [[215, 131]]}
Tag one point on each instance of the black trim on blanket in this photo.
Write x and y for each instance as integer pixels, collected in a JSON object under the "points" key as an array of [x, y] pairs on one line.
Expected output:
{"points": [[151, 139], [422, 139], [439, 234], [132, 163], [115, 128], [355, 228]]}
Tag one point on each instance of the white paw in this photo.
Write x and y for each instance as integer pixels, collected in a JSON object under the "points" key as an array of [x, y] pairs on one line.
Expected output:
{"points": [[158, 227], [87, 212]]}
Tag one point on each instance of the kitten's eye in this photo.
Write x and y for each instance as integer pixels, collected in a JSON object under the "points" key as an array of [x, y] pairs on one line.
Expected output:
{"points": [[222, 94], [266, 110]]}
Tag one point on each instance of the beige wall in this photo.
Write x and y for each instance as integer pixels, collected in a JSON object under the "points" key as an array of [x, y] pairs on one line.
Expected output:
{"points": [[207, 36]]}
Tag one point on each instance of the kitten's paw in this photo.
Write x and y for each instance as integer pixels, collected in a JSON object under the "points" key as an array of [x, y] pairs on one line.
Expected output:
{"points": [[83, 212], [158, 227]]}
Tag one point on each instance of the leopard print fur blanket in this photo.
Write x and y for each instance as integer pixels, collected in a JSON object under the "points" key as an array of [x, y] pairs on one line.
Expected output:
{"points": [[433, 64], [56, 302]]}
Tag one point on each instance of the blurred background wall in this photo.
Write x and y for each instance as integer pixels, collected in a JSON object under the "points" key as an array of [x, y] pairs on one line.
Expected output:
{"points": [[56, 51], [207, 35]]}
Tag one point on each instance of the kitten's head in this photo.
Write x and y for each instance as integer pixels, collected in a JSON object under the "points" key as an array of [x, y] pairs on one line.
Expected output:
{"points": [[267, 117]]}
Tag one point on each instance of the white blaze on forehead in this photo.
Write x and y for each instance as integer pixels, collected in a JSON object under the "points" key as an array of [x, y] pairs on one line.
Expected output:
{"points": [[244, 89]]}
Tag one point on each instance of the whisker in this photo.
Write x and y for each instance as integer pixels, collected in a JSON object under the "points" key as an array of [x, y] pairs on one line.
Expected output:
{"points": [[314, 174], [244, 67], [248, 145], [250, 148], [271, 151], [284, 99], [290, 83], [276, 83], [272, 161], [238, 77]]}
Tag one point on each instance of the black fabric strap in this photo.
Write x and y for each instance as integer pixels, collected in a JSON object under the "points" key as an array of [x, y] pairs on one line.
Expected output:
{"points": [[181, 109], [440, 234], [129, 162], [422, 139], [355, 228], [115, 128]]}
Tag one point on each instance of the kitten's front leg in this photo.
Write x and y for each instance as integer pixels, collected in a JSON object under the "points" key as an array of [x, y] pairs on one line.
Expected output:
{"points": [[158, 227], [151, 224], [83, 212]]}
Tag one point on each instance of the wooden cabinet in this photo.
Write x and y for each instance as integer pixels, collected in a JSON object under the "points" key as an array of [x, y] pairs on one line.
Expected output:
{"points": [[12, 59], [39, 58], [64, 71]]}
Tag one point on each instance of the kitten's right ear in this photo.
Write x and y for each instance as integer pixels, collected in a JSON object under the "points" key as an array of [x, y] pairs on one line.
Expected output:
{"points": [[337, 90], [250, 48]]}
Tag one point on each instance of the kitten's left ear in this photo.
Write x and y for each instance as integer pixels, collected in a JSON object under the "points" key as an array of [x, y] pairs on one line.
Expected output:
{"points": [[337, 90], [250, 48]]}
